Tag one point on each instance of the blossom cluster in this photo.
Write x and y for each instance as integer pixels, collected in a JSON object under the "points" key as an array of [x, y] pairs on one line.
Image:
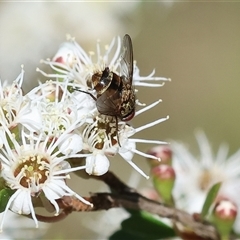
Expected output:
{"points": [[197, 174], [185, 181], [42, 130]]}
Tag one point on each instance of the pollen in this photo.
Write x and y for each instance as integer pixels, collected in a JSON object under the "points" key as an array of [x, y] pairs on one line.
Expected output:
{"points": [[105, 132], [32, 170]]}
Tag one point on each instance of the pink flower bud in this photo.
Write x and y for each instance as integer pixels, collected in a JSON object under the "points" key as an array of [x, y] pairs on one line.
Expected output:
{"points": [[223, 217], [65, 54], [163, 181], [162, 152], [225, 210]]}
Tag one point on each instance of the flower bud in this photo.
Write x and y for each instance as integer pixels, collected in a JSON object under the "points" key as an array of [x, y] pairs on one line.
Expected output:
{"points": [[65, 55], [163, 181], [224, 216], [162, 152]]}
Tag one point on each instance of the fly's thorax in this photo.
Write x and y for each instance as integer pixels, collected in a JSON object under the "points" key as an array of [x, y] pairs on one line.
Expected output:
{"points": [[102, 80]]}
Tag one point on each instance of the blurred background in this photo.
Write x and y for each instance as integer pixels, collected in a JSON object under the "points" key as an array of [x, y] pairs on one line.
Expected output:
{"points": [[196, 44]]}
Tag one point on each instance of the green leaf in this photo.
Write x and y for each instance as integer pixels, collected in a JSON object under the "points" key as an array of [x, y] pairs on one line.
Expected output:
{"points": [[142, 225], [122, 234], [5, 194], [210, 198]]}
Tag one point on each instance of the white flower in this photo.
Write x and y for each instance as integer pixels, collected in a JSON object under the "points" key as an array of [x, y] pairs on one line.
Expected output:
{"points": [[35, 167], [60, 110], [72, 62], [195, 176], [15, 109], [104, 137]]}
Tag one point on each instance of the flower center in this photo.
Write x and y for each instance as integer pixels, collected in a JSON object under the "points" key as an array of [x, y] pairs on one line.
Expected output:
{"points": [[102, 133], [205, 180], [209, 177], [33, 170]]}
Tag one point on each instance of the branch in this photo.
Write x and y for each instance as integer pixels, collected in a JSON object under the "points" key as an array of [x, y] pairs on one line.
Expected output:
{"points": [[126, 197]]}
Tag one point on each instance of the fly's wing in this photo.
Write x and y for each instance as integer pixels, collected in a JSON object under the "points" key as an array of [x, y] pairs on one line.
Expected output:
{"points": [[126, 61], [108, 103]]}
